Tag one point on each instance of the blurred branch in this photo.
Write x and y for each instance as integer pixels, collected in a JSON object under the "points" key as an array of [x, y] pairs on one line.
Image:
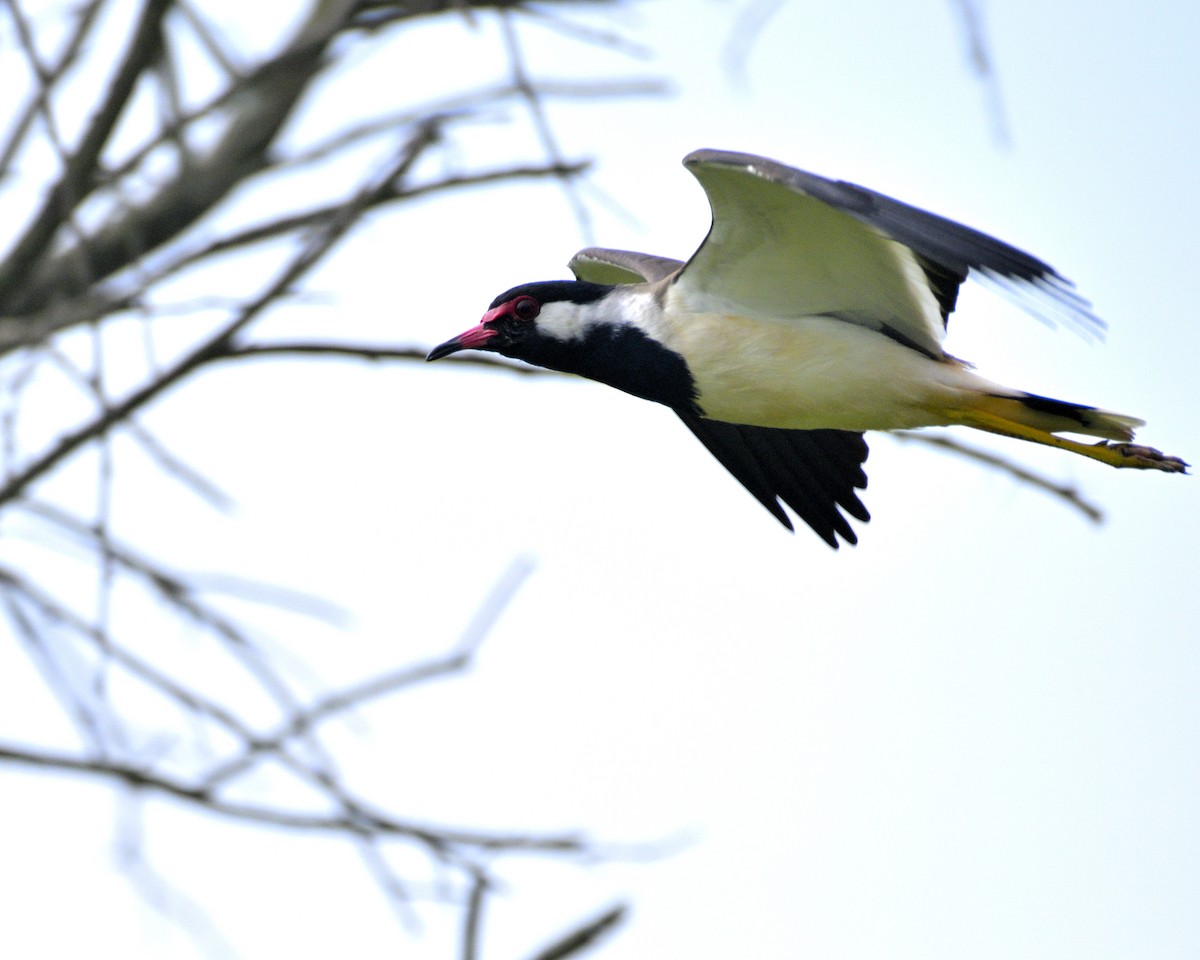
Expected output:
{"points": [[149, 443], [205, 787], [48, 76], [157, 890], [297, 222], [325, 707], [125, 197], [219, 343], [1068, 494], [584, 937], [78, 178], [380, 352], [549, 142], [263, 103], [473, 915], [970, 14], [752, 19], [754, 16], [46, 287], [358, 820]]}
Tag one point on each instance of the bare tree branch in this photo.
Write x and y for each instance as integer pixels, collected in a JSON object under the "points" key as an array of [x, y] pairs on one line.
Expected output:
{"points": [[473, 915], [78, 179], [107, 231], [584, 937], [220, 343], [444, 840], [49, 77], [978, 56], [521, 81], [376, 353], [1068, 494], [296, 222]]}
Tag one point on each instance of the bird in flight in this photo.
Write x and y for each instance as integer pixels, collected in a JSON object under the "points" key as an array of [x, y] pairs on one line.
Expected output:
{"points": [[814, 310]]}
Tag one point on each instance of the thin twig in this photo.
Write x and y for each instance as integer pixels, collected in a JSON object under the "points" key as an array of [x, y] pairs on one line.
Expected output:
{"points": [[541, 124], [975, 41], [221, 342], [585, 936], [1069, 494], [51, 666], [386, 684], [752, 20], [85, 19], [473, 914], [295, 820], [210, 39], [317, 217], [388, 880], [164, 897], [375, 353]]}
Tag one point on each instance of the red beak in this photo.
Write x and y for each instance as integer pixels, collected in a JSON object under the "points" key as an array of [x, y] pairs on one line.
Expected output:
{"points": [[473, 339]]}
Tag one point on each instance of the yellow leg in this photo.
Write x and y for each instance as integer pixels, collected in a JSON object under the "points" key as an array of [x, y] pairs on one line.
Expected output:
{"points": [[1114, 454]]}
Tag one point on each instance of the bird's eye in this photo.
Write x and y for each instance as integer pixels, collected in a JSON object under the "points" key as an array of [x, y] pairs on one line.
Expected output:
{"points": [[526, 308]]}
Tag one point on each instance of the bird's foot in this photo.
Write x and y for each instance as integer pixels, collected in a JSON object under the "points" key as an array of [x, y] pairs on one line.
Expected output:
{"points": [[1143, 458]]}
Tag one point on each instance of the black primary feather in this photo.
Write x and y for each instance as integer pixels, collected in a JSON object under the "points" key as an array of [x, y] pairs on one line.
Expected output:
{"points": [[814, 472]]}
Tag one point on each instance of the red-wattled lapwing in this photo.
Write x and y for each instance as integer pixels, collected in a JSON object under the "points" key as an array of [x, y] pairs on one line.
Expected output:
{"points": [[813, 310]]}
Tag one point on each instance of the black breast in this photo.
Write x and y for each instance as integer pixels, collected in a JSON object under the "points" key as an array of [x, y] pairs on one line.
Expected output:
{"points": [[623, 357]]}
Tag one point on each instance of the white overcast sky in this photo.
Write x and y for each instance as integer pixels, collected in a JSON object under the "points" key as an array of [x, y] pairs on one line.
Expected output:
{"points": [[977, 734]]}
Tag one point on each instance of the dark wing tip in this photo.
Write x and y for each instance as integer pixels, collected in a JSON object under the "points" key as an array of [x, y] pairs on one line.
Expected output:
{"points": [[813, 472]]}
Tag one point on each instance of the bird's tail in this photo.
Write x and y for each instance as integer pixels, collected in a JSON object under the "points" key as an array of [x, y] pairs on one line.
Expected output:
{"points": [[1055, 416]]}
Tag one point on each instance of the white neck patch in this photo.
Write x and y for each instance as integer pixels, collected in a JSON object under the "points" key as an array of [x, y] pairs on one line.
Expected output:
{"points": [[631, 306], [564, 320]]}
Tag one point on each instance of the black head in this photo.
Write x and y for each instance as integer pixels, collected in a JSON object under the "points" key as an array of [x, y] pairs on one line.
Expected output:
{"points": [[581, 328], [511, 322]]}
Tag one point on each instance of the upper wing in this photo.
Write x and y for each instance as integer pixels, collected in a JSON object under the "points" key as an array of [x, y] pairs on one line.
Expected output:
{"points": [[600, 265], [788, 243], [815, 472]]}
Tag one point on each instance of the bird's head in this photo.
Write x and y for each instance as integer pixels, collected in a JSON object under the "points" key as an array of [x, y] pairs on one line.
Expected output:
{"points": [[526, 321], [589, 329]]}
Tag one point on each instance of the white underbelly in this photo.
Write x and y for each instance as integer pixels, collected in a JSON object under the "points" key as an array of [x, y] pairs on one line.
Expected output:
{"points": [[815, 372]]}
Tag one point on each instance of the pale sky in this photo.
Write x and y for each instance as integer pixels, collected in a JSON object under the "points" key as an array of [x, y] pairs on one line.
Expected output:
{"points": [[973, 735]]}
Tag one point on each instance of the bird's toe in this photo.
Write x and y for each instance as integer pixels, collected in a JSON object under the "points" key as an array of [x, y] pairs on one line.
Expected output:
{"points": [[1147, 458]]}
